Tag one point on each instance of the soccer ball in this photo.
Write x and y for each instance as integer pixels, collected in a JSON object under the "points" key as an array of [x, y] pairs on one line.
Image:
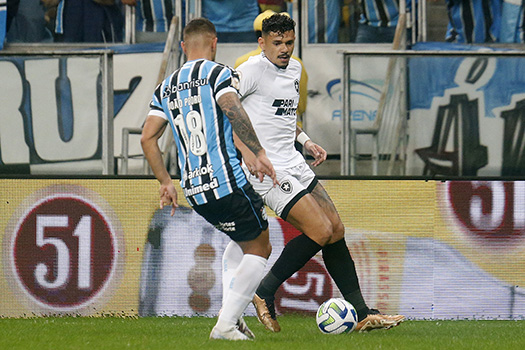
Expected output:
{"points": [[336, 316]]}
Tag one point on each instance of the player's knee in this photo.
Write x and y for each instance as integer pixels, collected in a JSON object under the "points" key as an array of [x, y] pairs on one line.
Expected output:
{"points": [[338, 231], [265, 247], [324, 233]]}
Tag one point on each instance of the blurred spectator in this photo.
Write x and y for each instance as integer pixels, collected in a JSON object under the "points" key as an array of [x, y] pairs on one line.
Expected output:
{"points": [[92, 21], [324, 18], [233, 19], [29, 25], [473, 21], [274, 5], [153, 18], [50, 14], [512, 23], [350, 13], [378, 20], [303, 83], [8, 10], [12, 10]]}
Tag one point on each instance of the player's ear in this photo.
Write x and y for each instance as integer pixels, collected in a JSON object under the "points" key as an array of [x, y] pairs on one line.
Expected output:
{"points": [[260, 40], [213, 48]]}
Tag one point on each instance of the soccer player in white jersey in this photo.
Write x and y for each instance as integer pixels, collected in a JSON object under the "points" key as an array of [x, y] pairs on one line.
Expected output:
{"points": [[269, 91], [200, 103]]}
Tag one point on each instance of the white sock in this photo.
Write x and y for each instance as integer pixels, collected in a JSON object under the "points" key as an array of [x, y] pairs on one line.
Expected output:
{"points": [[230, 261], [243, 285]]}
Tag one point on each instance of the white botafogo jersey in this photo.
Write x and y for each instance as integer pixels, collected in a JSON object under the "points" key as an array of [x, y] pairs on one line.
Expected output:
{"points": [[270, 96]]}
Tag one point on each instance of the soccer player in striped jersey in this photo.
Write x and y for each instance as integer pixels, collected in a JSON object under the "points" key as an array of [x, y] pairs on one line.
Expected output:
{"points": [[200, 103], [269, 89], [473, 21]]}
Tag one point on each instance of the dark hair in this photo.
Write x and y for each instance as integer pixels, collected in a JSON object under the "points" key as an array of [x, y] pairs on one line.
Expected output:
{"points": [[199, 26], [278, 23]]}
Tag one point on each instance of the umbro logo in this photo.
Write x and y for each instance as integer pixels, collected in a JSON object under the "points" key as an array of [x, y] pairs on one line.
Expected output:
{"points": [[226, 226]]}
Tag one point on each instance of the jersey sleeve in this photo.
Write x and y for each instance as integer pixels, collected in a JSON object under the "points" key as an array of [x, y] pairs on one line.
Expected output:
{"points": [[155, 106], [225, 82], [247, 79]]}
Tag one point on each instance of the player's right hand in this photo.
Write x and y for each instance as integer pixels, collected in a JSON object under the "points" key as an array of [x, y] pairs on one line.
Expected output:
{"points": [[263, 166]]}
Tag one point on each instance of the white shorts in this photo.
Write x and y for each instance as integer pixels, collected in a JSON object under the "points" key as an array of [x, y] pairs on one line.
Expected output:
{"points": [[295, 182]]}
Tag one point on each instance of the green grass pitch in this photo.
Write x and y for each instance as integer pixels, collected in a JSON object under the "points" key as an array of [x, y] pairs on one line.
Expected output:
{"points": [[298, 332]]}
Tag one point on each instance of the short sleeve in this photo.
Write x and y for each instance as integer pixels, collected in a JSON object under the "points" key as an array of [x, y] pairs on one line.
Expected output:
{"points": [[156, 103], [225, 82], [247, 81]]}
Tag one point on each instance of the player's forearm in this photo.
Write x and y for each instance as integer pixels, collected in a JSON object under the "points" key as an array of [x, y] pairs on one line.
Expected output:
{"points": [[241, 124], [239, 144], [153, 155]]}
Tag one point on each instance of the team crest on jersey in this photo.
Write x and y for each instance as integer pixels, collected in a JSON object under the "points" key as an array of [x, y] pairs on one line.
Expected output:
{"points": [[296, 85], [286, 187]]}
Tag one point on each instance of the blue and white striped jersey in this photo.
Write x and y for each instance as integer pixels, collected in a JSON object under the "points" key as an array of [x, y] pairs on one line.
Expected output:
{"points": [[155, 15], [381, 13], [323, 21], [474, 21], [512, 21], [203, 134]]}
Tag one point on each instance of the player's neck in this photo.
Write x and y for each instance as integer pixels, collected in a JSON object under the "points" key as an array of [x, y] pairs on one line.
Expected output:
{"points": [[199, 53]]}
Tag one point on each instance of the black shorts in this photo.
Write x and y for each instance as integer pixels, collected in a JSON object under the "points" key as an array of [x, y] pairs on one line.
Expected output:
{"points": [[241, 214]]}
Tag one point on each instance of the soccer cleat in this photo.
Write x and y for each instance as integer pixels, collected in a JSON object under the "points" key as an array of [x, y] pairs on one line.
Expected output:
{"points": [[231, 334], [376, 320], [266, 313], [243, 328]]}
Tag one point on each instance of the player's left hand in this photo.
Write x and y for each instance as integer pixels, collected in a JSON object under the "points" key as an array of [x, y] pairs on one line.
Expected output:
{"points": [[315, 151]]}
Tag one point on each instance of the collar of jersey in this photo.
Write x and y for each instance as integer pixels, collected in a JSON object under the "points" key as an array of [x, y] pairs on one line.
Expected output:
{"points": [[271, 63]]}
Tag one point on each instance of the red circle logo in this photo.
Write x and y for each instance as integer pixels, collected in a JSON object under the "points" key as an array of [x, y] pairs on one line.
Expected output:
{"points": [[64, 251], [305, 290], [493, 211]]}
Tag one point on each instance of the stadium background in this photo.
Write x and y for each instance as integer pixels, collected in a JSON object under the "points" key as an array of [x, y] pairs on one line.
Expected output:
{"points": [[427, 249]]}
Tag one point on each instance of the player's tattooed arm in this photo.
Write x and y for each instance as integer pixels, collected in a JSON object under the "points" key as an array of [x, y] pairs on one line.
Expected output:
{"points": [[243, 129], [232, 107]]}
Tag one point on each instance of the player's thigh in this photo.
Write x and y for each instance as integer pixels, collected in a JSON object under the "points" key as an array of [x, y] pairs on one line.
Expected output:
{"points": [[308, 217], [328, 207], [294, 183], [242, 216], [281, 199]]}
